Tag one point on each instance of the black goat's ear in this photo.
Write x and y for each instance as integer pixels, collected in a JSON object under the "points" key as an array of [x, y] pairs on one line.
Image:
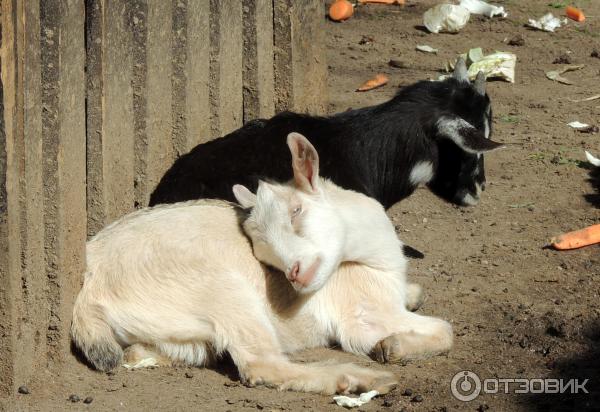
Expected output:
{"points": [[465, 135], [244, 196], [460, 71], [479, 84]]}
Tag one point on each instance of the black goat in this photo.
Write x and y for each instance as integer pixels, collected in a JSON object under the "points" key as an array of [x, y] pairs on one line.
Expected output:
{"points": [[430, 133]]}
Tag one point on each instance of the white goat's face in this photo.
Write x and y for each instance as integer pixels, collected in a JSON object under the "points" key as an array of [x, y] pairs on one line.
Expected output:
{"points": [[293, 227]]}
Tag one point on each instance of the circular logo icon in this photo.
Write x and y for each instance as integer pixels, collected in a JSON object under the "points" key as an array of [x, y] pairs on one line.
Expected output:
{"points": [[465, 386]]}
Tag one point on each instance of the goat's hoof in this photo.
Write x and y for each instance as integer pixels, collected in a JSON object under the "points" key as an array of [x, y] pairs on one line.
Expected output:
{"points": [[385, 351], [359, 381], [252, 381], [385, 384]]}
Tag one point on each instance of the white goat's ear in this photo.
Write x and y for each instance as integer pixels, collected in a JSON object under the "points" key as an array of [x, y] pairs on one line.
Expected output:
{"points": [[305, 162], [460, 70], [245, 197], [465, 135]]}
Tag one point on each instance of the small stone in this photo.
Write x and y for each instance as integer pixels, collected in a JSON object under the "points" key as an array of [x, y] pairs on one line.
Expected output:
{"points": [[74, 398], [366, 40], [387, 403], [417, 398], [483, 407], [517, 40], [595, 53], [88, 400], [407, 392], [189, 375], [399, 64], [23, 390]]}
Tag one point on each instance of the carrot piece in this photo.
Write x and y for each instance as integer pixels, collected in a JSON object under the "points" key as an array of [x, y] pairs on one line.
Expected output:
{"points": [[341, 10], [377, 81], [578, 238], [574, 13]]}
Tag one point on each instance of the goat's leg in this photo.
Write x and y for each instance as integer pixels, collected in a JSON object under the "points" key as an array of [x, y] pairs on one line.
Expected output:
{"points": [[142, 356], [416, 337], [258, 356], [414, 296]]}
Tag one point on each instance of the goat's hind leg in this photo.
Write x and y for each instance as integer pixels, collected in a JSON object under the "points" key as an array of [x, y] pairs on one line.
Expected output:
{"points": [[139, 356], [168, 354], [417, 337]]}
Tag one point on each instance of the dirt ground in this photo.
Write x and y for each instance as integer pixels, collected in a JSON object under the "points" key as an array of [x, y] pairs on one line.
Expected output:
{"points": [[518, 310]]}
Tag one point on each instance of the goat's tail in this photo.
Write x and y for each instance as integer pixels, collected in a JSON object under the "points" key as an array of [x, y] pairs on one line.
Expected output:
{"points": [[93, 335]]}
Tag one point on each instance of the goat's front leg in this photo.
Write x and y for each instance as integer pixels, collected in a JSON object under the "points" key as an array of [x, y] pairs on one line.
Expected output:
{"points": [[255, 350], [394, 336], [414, 296], [417, 337]]}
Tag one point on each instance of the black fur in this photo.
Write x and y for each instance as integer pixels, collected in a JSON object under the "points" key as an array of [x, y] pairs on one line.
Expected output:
{"points": [[370, 150], [411, 252]]}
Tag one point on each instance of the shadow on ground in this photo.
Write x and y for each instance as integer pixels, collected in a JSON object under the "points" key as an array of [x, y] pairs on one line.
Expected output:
{"points": [[594, 180], [584, 366]]}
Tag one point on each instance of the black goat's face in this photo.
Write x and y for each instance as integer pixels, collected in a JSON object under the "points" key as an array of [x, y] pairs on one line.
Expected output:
{"points": [[463, 135]]}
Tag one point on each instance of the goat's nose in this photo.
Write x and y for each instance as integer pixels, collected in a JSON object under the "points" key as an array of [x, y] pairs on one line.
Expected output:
{"points": [[482, 186], [293, 273]]}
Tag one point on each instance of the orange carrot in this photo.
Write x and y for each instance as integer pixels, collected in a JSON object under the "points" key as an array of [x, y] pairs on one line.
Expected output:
{"points": [[574, 13], [377, 81], [341, 10], [579, 238]]}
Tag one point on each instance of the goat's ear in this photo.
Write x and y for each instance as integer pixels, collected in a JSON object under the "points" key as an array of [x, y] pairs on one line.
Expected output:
{"points": [[460, 70], [465, 135], [479, 84], [245, 197], [305, 162]]}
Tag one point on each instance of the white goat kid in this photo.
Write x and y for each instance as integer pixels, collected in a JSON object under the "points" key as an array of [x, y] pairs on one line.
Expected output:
{"points": [[180, 283]]}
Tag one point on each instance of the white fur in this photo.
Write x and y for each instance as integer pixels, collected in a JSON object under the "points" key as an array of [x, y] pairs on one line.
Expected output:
{"points": [[470, 200], [421, 173], [450, 127], [180, 283]]}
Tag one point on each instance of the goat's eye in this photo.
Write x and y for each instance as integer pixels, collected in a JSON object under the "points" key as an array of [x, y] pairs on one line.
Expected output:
{"points": [[296, 211]]}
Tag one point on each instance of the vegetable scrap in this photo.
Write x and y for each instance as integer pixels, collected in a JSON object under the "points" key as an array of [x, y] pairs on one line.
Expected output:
{"points": [[348, 402], [377, 81], [341, 10], [481, 7], [426, 49], [592, 159], [556, 74], [577, 239], [446, 18], [574, 14], [547, 23]]}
